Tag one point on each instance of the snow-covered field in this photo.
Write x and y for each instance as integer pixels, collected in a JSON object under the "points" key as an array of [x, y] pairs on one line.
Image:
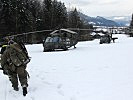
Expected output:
{"points": [[89, 72]]}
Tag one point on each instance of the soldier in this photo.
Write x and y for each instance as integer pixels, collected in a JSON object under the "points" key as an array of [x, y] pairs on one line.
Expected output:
{"points": [[14, 62]]}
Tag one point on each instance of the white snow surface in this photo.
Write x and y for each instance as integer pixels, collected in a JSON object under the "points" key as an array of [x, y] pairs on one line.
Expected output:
{"points": [[92, 71]]}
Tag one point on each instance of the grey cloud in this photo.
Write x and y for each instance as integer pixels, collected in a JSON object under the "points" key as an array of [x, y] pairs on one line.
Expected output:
{"points": [[80, 2]]}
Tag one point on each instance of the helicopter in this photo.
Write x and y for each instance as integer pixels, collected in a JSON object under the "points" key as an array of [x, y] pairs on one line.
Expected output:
{"points": [[60, 39]]}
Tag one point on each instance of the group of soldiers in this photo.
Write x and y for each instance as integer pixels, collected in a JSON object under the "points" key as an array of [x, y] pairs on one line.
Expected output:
{"points": [[14, 60]]}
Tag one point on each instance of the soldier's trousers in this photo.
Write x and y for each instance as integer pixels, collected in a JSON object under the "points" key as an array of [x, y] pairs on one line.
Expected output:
{"points": [[19, 74]]}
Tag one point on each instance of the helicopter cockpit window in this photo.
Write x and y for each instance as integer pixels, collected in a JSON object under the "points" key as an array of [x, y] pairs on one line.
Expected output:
{"points": [[56, 39], [49, 39]]}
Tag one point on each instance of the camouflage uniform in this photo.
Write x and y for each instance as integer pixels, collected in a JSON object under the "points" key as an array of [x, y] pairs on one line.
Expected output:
{"points": [[12, 61]]}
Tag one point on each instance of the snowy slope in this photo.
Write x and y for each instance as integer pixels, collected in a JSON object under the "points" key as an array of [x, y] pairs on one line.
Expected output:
{"points": [[122, 20], [98, 21], [89, 72]]}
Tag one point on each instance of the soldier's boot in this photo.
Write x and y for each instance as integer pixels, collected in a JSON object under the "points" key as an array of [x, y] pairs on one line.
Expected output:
{"points": [[16, 88], [24, 90]]}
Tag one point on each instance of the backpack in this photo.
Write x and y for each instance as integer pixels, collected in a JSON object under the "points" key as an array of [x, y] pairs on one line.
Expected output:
{"points": [[18, 56]]}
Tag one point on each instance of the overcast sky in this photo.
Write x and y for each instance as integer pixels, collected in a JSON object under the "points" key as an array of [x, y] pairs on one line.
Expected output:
{"points": [[102, 7]]}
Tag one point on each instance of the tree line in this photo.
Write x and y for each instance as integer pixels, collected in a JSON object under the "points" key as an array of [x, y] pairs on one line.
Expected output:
{"points": [[131, 23], [21, 16], [130, 31]]}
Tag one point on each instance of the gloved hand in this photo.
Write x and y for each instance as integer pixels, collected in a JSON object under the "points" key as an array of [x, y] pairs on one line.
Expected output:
{"points": [[5, 72]]}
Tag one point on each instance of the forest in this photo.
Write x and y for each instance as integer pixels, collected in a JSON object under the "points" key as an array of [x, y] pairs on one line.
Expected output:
{"points": [[22, 16]]}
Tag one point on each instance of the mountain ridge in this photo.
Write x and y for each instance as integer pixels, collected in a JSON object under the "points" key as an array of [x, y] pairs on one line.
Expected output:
{"points": [[123, 20], [103, 21]]}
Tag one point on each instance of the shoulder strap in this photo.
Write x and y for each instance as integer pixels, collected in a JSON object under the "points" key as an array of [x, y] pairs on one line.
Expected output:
{"points": [[22, 46]]}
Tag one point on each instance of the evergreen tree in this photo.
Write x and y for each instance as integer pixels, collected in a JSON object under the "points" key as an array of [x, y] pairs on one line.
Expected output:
{"points": [[74, 20], [35, 8], [6, 18], [24, 19], [55, 14], [47, 13], [131, 27], [131, 24], [59, 15], [14, 17]]}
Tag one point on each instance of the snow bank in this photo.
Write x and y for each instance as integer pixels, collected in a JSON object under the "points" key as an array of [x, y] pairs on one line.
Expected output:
{"points": [[89, 72]]}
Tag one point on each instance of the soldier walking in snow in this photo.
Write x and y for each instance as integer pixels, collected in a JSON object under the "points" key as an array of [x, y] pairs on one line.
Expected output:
{"points": [[14, 62]]}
